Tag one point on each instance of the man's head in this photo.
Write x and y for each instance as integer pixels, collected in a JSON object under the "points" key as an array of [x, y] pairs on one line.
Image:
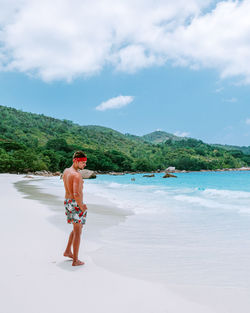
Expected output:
{"points": [[79, 160]]}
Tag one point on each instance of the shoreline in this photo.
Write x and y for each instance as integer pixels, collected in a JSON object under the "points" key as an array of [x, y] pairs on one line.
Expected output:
{"points": [[176, 171], [101, 215], [112, 173]]}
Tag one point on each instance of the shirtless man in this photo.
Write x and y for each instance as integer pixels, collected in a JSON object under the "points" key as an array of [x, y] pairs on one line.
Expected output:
{"points": [[75, 209]]}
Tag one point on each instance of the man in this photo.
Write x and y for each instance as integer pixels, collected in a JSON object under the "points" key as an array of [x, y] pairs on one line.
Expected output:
{"points": [[75, 209]]}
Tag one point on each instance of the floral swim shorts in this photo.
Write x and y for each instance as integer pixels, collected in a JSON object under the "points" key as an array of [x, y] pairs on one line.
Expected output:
{"points": [[73, 212]]}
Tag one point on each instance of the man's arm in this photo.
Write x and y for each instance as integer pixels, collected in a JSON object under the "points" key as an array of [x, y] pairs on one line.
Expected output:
{"points": [[77, 194]]}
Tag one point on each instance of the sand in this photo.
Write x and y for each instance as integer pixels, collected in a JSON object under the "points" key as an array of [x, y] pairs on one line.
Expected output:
{"points": [[35, 277]]}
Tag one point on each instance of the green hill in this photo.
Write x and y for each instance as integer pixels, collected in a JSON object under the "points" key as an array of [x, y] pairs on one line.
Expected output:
{"points": [[243, 149], [160, 137], [30, 142]]}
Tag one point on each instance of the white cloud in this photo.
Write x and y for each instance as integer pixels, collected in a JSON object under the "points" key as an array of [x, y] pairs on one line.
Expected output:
{"points": [[248, 121], [64, 39], [218, 90], [218, 39], [231, 100], [181, 134], [115, 103]]}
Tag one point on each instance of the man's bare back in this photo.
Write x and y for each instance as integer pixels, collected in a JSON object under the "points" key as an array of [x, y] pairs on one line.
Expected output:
{"points": [[73, 185]]}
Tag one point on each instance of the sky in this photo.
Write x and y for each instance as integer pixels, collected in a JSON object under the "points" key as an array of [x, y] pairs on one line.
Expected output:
{"points": [[134, 66]]}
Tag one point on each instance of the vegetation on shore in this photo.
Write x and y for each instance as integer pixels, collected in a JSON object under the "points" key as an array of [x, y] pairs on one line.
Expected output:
{"points": [[32, 142]]}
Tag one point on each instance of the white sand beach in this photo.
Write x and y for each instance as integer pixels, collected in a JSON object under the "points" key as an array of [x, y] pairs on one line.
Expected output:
{"points": [[35, 277]]}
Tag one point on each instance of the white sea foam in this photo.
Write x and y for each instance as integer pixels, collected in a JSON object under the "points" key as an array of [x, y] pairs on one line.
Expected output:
{"points": [[218, 199], [230, 194], [155, 199], [148, 199]]}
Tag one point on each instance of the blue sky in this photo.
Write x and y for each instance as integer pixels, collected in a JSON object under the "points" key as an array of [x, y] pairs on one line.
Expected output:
{"points": [[179, 83]]}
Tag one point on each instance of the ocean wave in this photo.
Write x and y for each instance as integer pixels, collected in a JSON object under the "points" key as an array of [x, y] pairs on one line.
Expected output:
{"points": [[229, 194], [115, 185], [154, 199], [235, 204]]}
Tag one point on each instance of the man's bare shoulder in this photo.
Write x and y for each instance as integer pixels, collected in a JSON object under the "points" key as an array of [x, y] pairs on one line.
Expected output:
{"points": [[66, 172], [71, 173], [77, 176]]}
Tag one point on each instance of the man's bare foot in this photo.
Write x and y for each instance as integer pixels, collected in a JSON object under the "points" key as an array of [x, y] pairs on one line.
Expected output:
{"points": [[77, 263], [68, 254]]}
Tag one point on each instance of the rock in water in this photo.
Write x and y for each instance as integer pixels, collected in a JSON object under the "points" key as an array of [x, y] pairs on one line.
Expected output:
{"points": [[167, 175], [43, 173], [88, 174], [56, 174], [149, 175]]}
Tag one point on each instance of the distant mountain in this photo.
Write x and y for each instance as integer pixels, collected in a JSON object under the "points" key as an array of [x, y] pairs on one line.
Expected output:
{"points": [[157, 137], [135, 138], [160, 137], [243, 149]]}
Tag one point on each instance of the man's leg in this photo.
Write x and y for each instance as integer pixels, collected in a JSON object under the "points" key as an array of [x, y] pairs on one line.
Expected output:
{"points": [[68, 251], [76, 243]]}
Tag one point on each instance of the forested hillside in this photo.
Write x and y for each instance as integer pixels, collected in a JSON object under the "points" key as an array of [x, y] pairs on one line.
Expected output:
{"points": [[30, 142], [161, 136], [243, 149]]}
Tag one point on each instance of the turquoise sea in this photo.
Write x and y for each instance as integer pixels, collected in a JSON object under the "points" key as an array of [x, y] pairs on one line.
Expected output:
{"points": [[193, 229]]}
